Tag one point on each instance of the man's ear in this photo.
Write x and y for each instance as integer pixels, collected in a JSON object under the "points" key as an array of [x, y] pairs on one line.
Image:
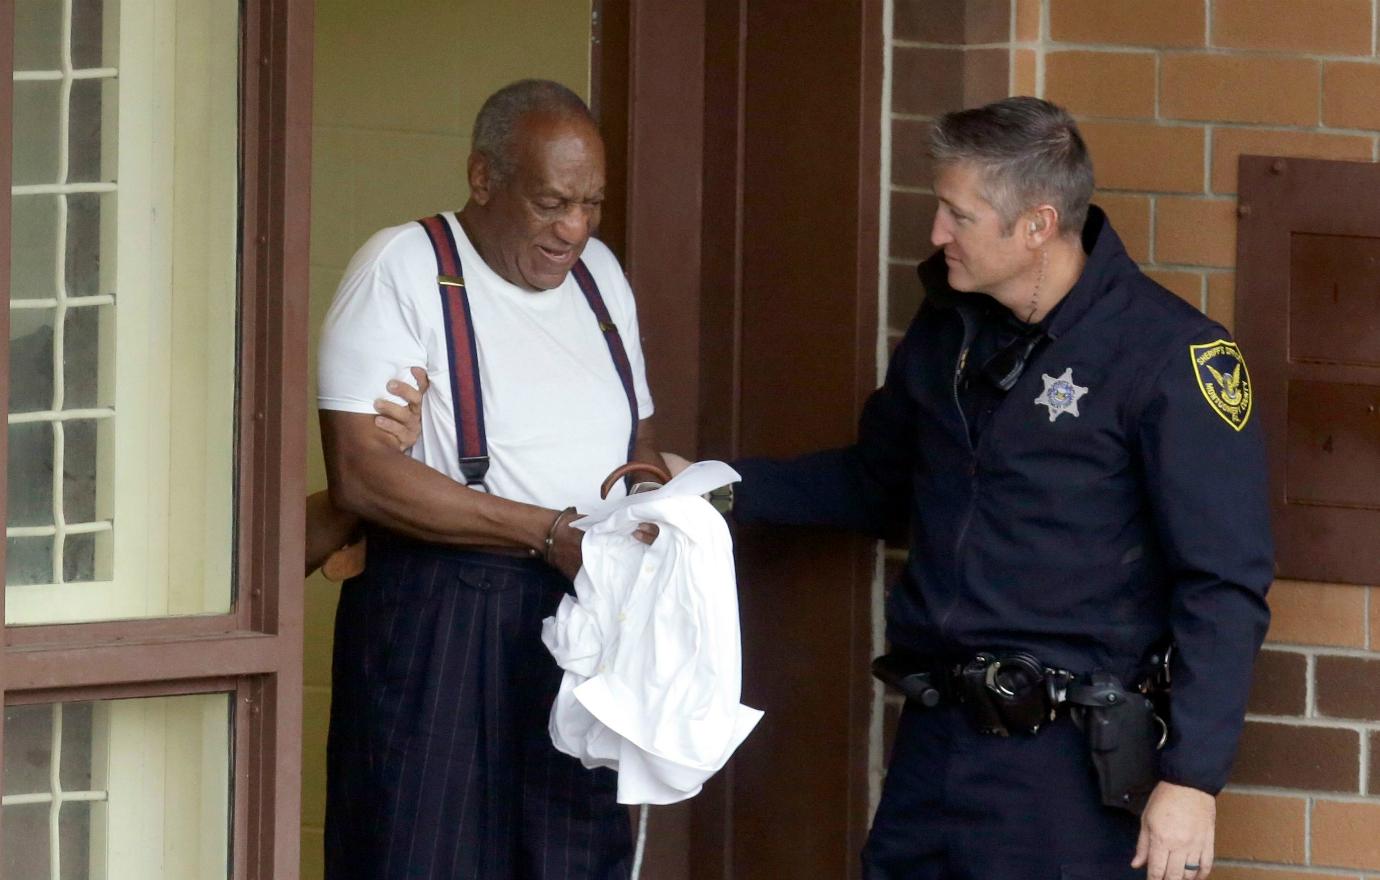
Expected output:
{"points": [[480, 178], [1041, 225]]}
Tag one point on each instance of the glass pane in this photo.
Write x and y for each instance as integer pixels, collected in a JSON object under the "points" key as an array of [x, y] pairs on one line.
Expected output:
{"points": [[85, 253], [36, 120], [26, 826], [125, 311], [85, 134], [31, 360], [28, 749], [28, 561], [30, 474], [33, 257], [145, 789], [93, 33], [37, 29], [88, 344], [79, 470]]}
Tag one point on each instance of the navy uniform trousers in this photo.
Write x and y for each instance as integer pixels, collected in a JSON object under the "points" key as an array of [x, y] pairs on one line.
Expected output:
{"points": [[962, 805], [439, 761]]}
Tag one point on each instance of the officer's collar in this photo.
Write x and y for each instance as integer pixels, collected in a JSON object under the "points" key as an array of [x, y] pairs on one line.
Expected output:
{"points": [[1107, 259]]}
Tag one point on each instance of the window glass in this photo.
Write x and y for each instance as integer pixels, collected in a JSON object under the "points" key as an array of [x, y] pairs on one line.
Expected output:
{"points": [[120, 788], [123, 309]]}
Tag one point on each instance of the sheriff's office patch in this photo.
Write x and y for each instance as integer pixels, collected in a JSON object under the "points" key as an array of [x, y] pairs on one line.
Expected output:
{"points": [[1224, 380]]}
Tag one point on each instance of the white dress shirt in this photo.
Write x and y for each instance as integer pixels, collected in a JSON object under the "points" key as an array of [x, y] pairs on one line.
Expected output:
{"points": [[650, 643]]}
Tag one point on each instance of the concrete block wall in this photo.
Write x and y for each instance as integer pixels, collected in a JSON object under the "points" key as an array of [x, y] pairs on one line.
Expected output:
{"points": [[1169, 93]]}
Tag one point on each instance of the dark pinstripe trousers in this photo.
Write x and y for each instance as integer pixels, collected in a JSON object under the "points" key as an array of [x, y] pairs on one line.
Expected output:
{"points": [[439, 761]]}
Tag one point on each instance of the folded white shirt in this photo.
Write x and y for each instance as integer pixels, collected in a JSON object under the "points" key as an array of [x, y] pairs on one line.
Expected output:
{"points": [[650, 643]]}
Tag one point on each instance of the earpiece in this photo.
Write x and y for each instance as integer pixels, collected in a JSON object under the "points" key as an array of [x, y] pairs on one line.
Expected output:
{"points": [[1032, 227]]}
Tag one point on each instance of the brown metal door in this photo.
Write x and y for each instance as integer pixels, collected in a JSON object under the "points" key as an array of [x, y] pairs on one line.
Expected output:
{"points": [[1308, 317], [752, 242]]}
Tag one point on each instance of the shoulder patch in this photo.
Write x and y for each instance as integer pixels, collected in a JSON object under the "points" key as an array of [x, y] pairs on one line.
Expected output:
{"points": [[1224, 380]]}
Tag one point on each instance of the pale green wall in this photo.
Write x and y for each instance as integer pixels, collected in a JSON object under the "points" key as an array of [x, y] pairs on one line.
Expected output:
{"points": [[397, 86]]}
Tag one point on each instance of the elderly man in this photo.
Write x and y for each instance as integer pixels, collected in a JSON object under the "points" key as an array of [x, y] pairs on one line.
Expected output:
{"points": [[439, 761], [1085, 485]]}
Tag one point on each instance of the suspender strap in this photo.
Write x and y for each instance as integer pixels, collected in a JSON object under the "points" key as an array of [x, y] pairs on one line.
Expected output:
{"points": [[614, 341], [467, 396]]}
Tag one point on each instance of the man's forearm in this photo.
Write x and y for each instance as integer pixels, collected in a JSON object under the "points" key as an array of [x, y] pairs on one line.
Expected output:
{"points": [[372, 481]]}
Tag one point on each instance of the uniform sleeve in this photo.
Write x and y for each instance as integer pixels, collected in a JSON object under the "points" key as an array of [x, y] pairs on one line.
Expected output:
{"points": [[371, 335], [1203, 457], [864, 487]]}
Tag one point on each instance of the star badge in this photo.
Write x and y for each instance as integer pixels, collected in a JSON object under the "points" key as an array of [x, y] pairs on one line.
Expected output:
{"points": [[1061, 394]]}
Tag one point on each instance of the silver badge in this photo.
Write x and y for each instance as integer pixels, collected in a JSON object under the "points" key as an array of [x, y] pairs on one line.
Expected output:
{"points": [[1061, 394]]}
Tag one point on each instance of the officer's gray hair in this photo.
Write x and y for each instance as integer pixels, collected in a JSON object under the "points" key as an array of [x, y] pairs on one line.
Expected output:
{"points": [[1029, 152], [498, 119]]}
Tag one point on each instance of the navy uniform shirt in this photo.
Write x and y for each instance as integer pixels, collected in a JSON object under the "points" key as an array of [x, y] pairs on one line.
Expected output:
{"points": [[1115, 497]]}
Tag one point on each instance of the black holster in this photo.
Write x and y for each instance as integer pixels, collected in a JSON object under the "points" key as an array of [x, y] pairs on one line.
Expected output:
{"points": [[1123, 736]]}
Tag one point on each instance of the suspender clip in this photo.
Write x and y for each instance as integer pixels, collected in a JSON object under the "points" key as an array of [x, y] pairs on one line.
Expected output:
{"points": [[474, 469]]}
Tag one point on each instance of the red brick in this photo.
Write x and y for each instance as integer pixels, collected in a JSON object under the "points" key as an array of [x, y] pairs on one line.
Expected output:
{"points": [[1348, 687], [1351, 95], [1028, 20], [1280, 684], [1221, 304], [1116, 84], [1374, 642], [1260, 827], [1128, 22], [1153, 158], [903, 296], [1239, 88], [929, 21], [958, 22], [1130, 216], [1188, 286], [1373, 783], [1344, 835], [1023, 73], [926, 81], [1195, 232], [1228, 144], [910, 154], [1331, 27], [1305, 613], [1298, 756], [911, 217]]}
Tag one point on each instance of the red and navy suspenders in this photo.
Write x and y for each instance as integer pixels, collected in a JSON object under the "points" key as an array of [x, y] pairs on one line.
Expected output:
{"points": [[467, 396]]}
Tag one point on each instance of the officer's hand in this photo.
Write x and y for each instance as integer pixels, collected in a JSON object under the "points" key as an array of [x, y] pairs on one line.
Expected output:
{"points": [[1176, 834], [674, 463], [403, 422]]}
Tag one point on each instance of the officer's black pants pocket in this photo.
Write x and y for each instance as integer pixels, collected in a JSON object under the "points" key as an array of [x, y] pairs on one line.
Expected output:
{"points": [[1101, 871]]}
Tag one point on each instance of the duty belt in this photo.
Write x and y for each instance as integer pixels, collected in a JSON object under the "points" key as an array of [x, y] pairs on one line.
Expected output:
{"points": [[1012, 692]]}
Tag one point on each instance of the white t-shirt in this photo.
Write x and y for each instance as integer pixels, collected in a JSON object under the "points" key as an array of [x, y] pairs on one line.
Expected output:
{"points": [[555, 414]]}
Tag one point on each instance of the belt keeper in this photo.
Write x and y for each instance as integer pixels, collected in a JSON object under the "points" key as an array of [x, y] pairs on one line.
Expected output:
{"points": [[551, 533]]}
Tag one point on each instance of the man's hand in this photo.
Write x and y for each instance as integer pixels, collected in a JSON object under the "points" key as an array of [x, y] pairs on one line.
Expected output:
{"points": [[1176, 834], [404, 423]]}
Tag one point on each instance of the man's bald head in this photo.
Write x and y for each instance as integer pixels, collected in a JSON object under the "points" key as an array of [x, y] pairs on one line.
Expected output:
{"points": [[497, 127]]}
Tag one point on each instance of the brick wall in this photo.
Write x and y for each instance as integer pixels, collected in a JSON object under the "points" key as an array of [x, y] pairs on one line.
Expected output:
{"points": [[1169, 93]]}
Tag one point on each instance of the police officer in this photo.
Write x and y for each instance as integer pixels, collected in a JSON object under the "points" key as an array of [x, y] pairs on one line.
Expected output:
{"points": [[1085, 484]]}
